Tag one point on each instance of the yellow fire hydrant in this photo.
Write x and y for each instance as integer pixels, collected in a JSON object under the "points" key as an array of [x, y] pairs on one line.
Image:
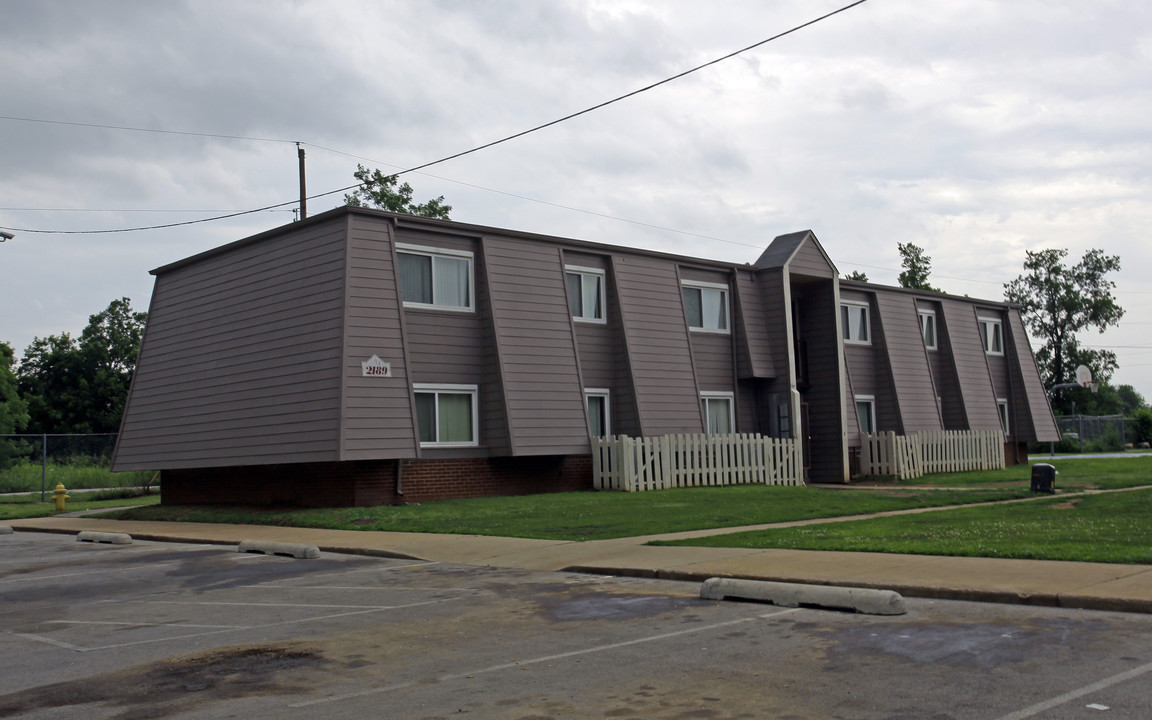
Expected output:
{"points": [[60, 496]]}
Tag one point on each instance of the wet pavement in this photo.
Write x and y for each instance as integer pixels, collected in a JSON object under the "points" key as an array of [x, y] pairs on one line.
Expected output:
{"points": [[185, 630]]}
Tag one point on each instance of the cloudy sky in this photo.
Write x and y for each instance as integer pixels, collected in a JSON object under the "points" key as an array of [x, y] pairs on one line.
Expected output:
{"points": [[978, 129]]}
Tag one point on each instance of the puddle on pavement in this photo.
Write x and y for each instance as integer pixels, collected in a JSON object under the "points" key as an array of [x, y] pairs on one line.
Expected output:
{"points": [[600, 606], [958, 644], [175, 686]]}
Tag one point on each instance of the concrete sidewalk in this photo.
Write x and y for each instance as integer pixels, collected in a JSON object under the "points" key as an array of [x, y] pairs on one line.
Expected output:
{"points": [[1097, 586]]}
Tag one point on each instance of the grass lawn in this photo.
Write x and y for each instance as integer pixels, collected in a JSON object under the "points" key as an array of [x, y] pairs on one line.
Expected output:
{"points": [[13, 507], [28, 477], [1072, 474], [1116, 527], [596, 515]]}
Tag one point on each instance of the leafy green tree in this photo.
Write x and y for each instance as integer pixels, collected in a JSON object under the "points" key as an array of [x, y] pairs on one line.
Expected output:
{"points": [[1130, 399], [13, 409], [857, 275], [917, 267], [380, 191], [1058, 301], [81, 387]]}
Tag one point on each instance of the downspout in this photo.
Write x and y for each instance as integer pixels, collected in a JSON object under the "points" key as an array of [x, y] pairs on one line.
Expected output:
{"points": [[735, 353], [399, 478]]}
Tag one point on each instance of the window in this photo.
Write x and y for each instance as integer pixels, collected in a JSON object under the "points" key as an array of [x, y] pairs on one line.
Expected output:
{"points": [[854, 323], [866, 413], [585, 293], [928, 328], [1002, 406], [992, 334], [717, 407], [435, 278], [446, 415], [706, 306], [599, 424]]}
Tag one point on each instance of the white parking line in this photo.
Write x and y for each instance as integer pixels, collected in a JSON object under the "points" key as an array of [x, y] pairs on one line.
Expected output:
{"points": [[264, 626], [542, 659], [143, 624], [364, 587], [1033, 710], [252, 604], [50, 641], [320, 576]]}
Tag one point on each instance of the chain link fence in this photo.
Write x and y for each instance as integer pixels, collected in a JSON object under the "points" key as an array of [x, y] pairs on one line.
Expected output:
{"points": [[31, 463], [1095, 433]]}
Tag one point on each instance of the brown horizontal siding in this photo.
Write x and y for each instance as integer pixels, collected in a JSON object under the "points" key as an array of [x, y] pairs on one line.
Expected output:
{"points": [[377, 418], [594, 345], [659, 357], [754, 351], [908, 362], [809, 261], [535, 348], [1032, 412], [968, 358], [444, 346], [227, 373], [776, 298], [712, 359], [861, 364]]}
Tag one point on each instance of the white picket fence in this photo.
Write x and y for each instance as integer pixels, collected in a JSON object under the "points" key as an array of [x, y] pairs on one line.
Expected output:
{"points": [[910, 456], [672, 461]]}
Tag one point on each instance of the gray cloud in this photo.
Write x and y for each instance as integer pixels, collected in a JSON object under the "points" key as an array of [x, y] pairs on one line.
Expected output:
{"points": [[978, 129]]}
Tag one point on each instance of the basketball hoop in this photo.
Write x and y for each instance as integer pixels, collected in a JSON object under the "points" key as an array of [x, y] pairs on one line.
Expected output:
{"points": [[1084, 377], [1095, 386]]}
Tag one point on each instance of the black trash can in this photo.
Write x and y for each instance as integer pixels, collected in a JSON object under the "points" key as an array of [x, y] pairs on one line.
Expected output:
{"points": [[1043, 478]]}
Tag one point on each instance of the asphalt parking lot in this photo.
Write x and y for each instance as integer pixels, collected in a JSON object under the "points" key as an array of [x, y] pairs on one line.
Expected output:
{"points": [[170, 630]]}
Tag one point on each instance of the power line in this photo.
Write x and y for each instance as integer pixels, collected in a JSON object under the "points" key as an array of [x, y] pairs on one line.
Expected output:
{"points": [[139, 129], [427, 164]]}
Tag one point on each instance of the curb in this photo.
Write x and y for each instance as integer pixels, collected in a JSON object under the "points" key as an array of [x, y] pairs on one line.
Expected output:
{"points": [[1001, 597]]}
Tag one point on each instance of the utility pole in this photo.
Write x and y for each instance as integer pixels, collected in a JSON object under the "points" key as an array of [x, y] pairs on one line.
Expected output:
{"points": [[303, 190]]}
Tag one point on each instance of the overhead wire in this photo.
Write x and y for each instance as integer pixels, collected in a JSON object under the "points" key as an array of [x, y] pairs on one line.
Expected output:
{"points": [[430, 163]]}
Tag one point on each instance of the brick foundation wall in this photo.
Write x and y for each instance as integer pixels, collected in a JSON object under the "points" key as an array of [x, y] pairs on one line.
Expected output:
{"points": [[367, 483]]}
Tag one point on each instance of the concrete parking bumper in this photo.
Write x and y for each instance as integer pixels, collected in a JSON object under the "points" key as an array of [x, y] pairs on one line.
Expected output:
{"points": [[861, 600], [1096, 586]]}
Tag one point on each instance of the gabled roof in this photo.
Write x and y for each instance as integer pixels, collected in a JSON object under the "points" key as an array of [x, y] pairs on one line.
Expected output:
{"points": [[785, 247]]}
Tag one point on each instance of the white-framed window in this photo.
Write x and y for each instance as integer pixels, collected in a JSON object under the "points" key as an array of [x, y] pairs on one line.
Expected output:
{"points": [[585, 293], [435, 278], [599, 412], [866, 413], [854, 323], [928, 328], [1002, 408], [718, 413], [705, 306], [446, 415], [992, 334]]}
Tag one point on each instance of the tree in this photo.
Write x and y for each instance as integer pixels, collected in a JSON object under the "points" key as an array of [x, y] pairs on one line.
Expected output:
{"points": [[380, 191], [917, 267], [81, 387], [1131, 399], [857, 275], [1058, 301], [13, 409]]}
